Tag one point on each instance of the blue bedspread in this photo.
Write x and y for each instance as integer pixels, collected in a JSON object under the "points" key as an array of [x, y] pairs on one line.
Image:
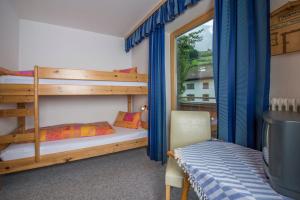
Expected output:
{"points": [[219, 170]]}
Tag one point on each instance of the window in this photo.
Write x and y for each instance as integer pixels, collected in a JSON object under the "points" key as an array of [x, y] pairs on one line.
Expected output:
{"points": [[190, 97], [206, 85], [191, 55], [205, 97], [194, 66], [190, 86]]}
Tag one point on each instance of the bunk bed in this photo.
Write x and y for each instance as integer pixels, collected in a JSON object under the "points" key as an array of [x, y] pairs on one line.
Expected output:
{"points": [[23, 150]]}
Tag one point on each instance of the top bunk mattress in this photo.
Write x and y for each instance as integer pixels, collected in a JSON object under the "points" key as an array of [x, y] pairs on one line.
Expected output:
{"points": [[25, 150], [7, 79]]}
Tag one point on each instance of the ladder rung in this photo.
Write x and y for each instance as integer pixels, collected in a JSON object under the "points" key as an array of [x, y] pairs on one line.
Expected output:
{"points": [[17, 137], [16, 99], [16, 112]]}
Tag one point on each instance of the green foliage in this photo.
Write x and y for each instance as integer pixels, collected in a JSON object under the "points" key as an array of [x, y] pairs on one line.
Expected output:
{"points": [[187, 56]]}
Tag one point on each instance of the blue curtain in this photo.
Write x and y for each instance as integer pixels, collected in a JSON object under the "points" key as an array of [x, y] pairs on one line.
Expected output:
{"points": [[157, 142], [241, 68], [166, 13]]}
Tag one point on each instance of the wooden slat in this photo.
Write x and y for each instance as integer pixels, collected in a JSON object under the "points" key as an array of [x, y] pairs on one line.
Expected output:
{"points": [[76, 74], [36, 115], [16, 112], [16, 99], [16, 89], [17, 138], [91, 90], [129, 103], [68, 156], [21, 120]]}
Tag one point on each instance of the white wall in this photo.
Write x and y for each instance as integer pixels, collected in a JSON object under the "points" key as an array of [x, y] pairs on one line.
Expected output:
{"points": [[139, 56], [9, 26], [50, 45], [285, 69]]}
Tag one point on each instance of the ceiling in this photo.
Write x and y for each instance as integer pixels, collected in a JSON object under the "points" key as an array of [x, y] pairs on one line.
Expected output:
{"points": [[112, 17]]}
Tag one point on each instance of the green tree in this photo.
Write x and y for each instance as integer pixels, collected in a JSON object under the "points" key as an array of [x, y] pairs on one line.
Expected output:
{"points": [[186, 55]]}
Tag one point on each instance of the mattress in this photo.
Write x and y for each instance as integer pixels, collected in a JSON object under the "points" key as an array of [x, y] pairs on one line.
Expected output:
{"points": [[25, 150], [29, 80]]}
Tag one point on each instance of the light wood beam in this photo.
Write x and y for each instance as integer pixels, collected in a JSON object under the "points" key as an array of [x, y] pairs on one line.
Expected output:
{"points": [[16, 99], [16, 138], [129, 103], [36, 115], [21, 119], [11, 166], [16, 112], [77, 74]]}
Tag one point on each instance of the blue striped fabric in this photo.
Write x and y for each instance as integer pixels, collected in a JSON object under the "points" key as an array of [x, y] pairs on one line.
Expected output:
{"points": [[220, 170]]}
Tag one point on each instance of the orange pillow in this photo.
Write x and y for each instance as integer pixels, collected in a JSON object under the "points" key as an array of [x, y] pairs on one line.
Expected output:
{"points": [[132, 70], [67, 131], [128, 120]]}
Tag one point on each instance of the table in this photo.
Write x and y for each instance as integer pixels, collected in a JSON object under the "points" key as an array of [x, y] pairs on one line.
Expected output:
{"points": [[219, 170]]}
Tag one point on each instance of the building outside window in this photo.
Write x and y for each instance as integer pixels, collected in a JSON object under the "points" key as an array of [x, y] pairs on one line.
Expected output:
{"points": [[190, 86], [206, 85], [190, 97], [205, 97]]}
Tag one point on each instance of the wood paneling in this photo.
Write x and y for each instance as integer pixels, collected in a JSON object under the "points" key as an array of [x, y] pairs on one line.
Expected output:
{"points": [[68, 156], [76, 74]]}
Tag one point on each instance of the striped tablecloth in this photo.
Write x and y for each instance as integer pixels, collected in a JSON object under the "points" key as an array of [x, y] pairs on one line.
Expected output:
{"points": [[219, 170]]}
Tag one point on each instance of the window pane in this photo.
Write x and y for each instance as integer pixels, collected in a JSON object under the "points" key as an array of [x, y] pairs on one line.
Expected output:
{"points": [[195, 81]]}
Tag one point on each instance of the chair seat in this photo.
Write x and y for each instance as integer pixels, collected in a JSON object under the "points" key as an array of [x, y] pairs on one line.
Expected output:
{"points": [[174, 174]]}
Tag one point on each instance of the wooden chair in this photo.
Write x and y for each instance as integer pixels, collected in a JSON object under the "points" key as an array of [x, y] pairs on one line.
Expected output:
{"points": [[187, 127]]}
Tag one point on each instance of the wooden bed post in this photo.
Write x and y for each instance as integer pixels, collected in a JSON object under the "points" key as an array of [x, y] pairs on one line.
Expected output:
{"points": [[36, 115], [21, 119], [129, 105]]}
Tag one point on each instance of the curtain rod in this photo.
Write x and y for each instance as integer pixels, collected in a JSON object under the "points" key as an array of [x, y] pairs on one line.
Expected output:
{"points": [[139, 23]]}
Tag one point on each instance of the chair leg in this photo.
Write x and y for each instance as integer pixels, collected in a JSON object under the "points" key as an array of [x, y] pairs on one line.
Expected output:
{"points": [[185, 188], [168, 192]]}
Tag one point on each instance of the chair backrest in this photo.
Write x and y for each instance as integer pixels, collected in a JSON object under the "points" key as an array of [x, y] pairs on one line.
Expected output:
{"points": [[189, 127]]}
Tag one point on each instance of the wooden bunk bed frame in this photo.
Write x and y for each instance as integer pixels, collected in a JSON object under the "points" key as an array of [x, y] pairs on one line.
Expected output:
{"points": [[30, 93]]}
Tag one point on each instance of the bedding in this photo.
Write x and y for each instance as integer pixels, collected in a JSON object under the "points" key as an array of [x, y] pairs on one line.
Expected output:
{"points": [[25, 150], [67, 131], [128, 120], [4, 71], [132, 70], [220, 170]]}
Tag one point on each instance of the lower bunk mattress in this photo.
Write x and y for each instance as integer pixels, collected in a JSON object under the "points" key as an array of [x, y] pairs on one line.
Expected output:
{"points": [[25, 150]]}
